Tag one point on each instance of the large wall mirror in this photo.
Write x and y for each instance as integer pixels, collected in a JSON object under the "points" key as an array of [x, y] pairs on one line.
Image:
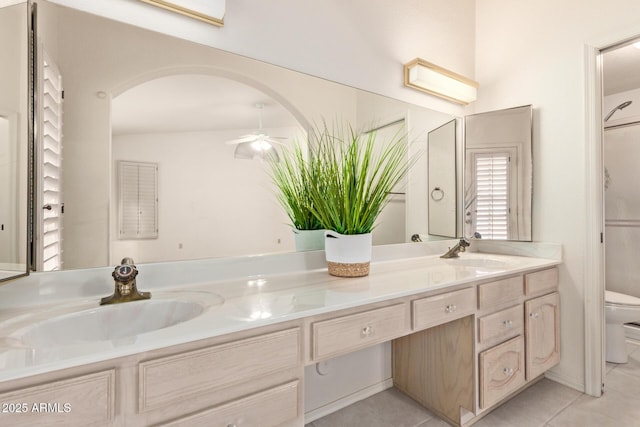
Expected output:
{"points": [[147, 98], [109, 93], [14, 137]]}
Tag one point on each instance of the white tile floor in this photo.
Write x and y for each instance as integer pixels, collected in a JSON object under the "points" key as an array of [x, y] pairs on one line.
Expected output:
{"points": [[546, 403]]}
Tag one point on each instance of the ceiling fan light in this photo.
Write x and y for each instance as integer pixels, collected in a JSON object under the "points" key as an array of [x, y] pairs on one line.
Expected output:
{"points": [[261, 145], [256, 150]]}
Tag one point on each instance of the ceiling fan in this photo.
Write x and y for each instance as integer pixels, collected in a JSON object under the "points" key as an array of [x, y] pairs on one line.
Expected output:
{"points": [[258, 144]]}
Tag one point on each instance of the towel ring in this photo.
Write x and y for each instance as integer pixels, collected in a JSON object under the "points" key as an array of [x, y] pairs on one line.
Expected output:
{"points": [[437, 194]]}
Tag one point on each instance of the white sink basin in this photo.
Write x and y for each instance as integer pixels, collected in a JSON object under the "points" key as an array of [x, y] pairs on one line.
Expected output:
{"points": [[478, 262], [108, 323]]}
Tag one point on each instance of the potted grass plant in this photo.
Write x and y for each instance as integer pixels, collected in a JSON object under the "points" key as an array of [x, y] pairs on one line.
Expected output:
{"points": [[291, 176], [354, 175]]}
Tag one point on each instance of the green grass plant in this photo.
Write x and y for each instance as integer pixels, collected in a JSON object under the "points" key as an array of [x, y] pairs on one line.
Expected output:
{"points": [[292, 175], [352, 174]]}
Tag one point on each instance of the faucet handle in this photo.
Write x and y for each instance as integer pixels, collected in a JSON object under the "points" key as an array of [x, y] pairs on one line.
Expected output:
{"points": [[125, 272]]}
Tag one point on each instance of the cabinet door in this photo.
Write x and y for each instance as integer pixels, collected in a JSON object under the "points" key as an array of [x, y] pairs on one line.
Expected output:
{"points": [[542, 331]]}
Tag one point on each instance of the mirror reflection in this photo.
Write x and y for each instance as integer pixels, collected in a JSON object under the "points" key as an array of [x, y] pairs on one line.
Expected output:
{"points": [[498, 174], [14, 134], [138, 96], [443, 182]]}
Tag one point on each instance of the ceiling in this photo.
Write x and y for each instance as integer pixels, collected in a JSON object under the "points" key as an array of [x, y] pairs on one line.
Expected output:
{"points": [[190, 102], [621, 69]]}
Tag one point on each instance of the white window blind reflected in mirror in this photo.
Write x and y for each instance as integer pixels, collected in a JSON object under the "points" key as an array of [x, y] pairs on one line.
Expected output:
{"points": [[490, 138], [49, 152], [491, 176], [138, 200]]}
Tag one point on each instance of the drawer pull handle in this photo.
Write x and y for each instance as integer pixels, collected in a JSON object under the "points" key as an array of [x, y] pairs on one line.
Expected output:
{"points": [[451, 308], [508, 371], [367, 331], [508, 324], [534, 315], [231, 425]]}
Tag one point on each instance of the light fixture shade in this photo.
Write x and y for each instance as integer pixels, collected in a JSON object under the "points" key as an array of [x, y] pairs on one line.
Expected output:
{"points": [[261, 150], [432, 79], [209, 11]]}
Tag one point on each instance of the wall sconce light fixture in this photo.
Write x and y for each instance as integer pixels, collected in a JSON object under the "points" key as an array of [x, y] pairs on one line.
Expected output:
{"points": [[432, 79]]}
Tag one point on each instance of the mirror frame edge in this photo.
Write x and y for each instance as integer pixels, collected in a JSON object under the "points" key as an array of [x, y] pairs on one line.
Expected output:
{"points": [[30, 193]]}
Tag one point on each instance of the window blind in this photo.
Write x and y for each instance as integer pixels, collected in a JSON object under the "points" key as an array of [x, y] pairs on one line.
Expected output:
{"points": [[50, 245], [138, 200], [492, 195]]}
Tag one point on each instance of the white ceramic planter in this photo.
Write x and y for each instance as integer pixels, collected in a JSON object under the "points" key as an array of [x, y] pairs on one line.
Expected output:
{"points": [[347, 255], [308, 240]]}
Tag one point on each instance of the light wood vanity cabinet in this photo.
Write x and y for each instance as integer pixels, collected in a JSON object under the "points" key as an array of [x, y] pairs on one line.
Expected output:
{"points": [[501, 345], [501, 356], [531, 327], [458, 352]]}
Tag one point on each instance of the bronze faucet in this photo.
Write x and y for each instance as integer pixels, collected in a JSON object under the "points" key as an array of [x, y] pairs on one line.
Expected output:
{"points": [[461, 246], [125, 284]]}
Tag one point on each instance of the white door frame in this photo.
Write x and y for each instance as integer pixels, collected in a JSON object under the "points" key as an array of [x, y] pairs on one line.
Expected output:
{"points": [[594, 361], [594, 266]]}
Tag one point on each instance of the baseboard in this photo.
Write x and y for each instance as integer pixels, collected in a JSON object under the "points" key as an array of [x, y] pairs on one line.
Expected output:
{"points": [[561, 379], [345, 401]]}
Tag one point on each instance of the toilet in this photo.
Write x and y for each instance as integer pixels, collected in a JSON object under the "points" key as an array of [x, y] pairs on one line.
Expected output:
{"points": [[619, 309]]}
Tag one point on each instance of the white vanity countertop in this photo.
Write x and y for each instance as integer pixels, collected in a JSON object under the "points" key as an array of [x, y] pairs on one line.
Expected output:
{"points": [[239, 304]]}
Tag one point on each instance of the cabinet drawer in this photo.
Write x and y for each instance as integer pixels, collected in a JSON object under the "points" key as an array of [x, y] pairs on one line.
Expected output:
{"points": [[80, 401], [348, 333], [443, 308], [501, 371], [541, 281], [498, 326], [168, 380], [269, 408], [500, 293]]}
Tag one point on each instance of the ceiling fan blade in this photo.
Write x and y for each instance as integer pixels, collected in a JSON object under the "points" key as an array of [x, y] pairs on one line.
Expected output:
{"points": [[242, 139], [270, 140]]}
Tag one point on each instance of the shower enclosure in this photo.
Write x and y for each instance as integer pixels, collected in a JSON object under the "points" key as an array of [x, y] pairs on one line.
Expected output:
{"points": [[622, 207]]}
